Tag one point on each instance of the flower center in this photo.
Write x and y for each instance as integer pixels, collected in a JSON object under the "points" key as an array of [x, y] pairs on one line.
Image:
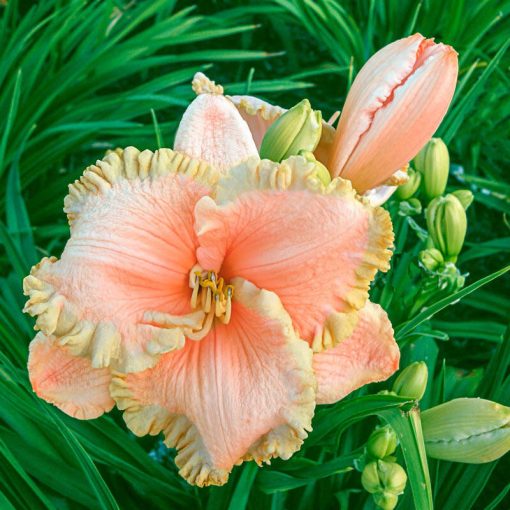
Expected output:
{"points": [[212, 295]]}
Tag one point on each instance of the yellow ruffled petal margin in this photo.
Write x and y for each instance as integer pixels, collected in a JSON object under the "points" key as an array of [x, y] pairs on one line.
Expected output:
{"points": [[131, 164], [101, 342], [193, 459], [296, 174]]}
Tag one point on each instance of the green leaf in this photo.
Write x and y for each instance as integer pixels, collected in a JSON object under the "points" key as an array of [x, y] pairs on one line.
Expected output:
{"points": [[299, 472], [16, 257], [461, 110], [407, 426], [18, 223], [105, 499], [6, 131], [15, 481], [404, 329], [243, 487]]}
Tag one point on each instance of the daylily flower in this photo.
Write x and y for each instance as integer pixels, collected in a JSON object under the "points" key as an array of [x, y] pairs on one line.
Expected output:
{"points": [[275, 265], [213, 296]]}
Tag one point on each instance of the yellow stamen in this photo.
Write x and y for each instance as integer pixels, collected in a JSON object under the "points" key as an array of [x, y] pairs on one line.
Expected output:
{"points": [[194, 295], [212, 295]]}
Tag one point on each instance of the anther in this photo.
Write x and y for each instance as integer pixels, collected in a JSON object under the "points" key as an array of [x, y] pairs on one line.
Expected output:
{"points": [[212, 295]]}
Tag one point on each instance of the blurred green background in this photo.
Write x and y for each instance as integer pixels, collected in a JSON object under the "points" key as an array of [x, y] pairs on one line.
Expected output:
{"points": [[80, 77]]}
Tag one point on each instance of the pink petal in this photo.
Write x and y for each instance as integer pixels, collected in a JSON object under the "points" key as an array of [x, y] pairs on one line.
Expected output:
{"points": [[212, 130], [68, 382], [395, 105], [259, 115], [246, 391], [131, 249], [317, 249], [369, 355]]}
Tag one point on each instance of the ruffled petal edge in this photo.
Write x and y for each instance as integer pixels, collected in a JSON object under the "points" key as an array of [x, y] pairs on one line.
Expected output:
{"points": [[133, 164]]}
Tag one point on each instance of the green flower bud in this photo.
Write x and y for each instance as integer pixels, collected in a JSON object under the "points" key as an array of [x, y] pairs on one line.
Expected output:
{"points": [[431, 259], [370, 478], [412, 381], [298, 129], [433, 161], [321, 172], [393, 477], [471, 430], [385, 500], [464, 196], [447, 225], [409, 188], [382, 442], [381, 476]]}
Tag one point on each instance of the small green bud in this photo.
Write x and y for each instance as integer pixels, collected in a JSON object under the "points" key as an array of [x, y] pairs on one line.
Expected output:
{"points": [[471, 430], [321, 172], [447, 225], [381, 476], [412, 381], [464, 196], [393, 477], [298, 129], [431, 259], [409, 188], [370, 478], [382, 442], [385, 500], [433, 161]]}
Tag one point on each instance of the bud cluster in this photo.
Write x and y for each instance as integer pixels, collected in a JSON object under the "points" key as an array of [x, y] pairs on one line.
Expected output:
{"points": [[446, 222], [382, 476], [429, 174], [446, 215], [385, 481]]}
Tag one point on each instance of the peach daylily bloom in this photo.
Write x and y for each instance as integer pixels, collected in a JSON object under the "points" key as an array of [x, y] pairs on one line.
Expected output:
{"points": [[225, 299], [213, 296]]}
